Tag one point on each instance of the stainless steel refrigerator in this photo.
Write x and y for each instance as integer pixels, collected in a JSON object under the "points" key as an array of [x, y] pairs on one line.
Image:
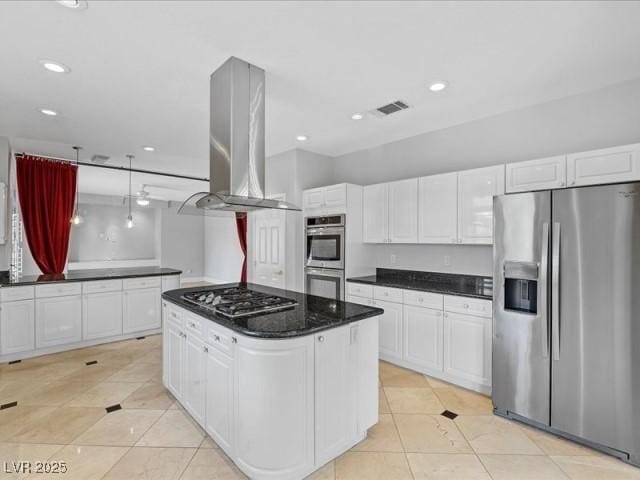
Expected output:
{"points": [[566, 337]]}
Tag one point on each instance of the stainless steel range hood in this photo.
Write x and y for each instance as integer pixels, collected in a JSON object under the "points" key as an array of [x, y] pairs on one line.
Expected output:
{"points": [[236, 142]]}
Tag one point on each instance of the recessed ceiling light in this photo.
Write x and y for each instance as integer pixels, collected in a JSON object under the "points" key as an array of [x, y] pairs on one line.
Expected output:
{"points": [[55, 67], [437, 86], [356, 116], [47, 111], [74, 4], [302, 138], [148, 148]]}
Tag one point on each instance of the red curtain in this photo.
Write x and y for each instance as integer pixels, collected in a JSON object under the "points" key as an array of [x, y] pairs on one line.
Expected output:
{"points": [[46, 190], [241, 226]]}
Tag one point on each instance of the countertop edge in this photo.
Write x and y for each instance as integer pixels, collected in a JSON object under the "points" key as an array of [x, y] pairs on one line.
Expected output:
{"points": [[166, 272], [382, 283]]}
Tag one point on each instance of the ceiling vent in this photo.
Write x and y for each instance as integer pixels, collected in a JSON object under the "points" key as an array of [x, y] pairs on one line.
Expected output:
{"points": [[390, 108], [99, 159]]}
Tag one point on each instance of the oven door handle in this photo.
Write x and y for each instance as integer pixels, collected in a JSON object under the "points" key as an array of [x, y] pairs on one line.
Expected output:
{"points": [[325, 231], [325, 272]]}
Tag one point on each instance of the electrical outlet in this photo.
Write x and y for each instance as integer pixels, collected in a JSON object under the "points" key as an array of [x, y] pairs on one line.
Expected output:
{"points": [[447, 260], [392, 259]]}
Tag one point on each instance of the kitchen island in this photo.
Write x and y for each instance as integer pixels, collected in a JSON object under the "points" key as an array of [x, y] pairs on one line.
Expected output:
{"points": [[281, 392]]}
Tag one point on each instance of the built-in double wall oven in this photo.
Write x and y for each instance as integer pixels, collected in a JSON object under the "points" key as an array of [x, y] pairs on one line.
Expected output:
{"points": [[324, 256]]}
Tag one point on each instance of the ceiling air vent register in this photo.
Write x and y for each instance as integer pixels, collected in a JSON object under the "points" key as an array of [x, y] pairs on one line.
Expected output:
{"points": [[390, 108]]}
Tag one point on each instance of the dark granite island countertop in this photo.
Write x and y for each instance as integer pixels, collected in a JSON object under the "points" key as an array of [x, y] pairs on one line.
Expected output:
{"points": [[87, 275], [435, 282], [312, 314]]}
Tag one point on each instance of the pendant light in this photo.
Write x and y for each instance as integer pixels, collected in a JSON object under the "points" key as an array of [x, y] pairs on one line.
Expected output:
{"points": [[130, 218], [77, 219]]}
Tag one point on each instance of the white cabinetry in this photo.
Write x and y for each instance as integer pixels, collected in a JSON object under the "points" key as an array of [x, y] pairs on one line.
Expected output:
{"points": [[17, 326], [102, 315], [376, 213], [390, 329], [170, 282], [467, 347], [423, 336], [141, 309], [539, 174], [194, 377], [219, 399], [58, 320], [391, 212], [438, 209], [173, 339], [325, 200], [476, 189], [609, 165]]}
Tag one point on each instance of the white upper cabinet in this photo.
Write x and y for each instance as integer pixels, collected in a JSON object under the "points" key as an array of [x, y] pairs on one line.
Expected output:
{"points": [[335, 195], [609, 165], [403, 211], [476, 189], [438, 208], [376, 213], [539, 174], [313, 198], [325, 200]]}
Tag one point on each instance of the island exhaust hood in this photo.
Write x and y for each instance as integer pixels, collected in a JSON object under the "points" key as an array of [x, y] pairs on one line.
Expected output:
{"points": [[236, 142]]}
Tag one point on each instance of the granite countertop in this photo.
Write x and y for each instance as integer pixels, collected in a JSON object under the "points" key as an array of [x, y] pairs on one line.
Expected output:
{"points": [[312, 314], [86, 275], [436, 282]]}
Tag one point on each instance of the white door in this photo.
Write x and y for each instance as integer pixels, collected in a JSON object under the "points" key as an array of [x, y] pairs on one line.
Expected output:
{"points": [[403, 211], [609, 165], [269, 247], [17, 327], [336, 391], [175, 358], [375, 213], [423, 333], [102, 315], [539, 174], [194, 377], [219, 398], [467, 347], [390, 329], [476, 189], [438, 208], [58, 320], [141, 310]]}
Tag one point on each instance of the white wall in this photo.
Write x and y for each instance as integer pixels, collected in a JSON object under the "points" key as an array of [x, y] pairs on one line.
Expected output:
{"points": [[182, 242], [222, 254], [599, 119]]}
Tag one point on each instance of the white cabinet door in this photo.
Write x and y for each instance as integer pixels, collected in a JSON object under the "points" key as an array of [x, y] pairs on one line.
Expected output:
{"points": [[194, 377], [336, 391], [102, 315], [467, 347], [438, 208], [375, 214], [274, 423], [539, 174], [403, 211], [609, 165], [368, 374], [335, 195], [219, 399], [170, 282], [58, 320], [174, 340], [359, 300], [17, 327], [141, 309], [390, 329], [423, 335], [476, 189], [313, 198]]}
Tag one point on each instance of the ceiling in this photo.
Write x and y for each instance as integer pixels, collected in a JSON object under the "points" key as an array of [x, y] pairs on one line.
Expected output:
{"points": [[140, 70]]}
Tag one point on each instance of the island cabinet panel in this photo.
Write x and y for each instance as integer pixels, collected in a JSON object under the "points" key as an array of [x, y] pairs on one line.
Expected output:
{"points": [[141, 310], [368, 374], [219, 397], [336, 391], [102, 314], [194, 377], [174, 341], [274, 407]]}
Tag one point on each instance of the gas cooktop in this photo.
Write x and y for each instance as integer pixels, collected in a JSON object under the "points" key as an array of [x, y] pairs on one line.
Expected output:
{"points": [[237, 301]]}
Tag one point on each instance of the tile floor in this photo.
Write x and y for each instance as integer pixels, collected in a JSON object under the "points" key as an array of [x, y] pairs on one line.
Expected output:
{"points": [[60, 416]]}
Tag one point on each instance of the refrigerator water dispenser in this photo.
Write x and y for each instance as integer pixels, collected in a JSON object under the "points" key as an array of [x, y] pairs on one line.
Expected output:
{"points": [[521, 287]]}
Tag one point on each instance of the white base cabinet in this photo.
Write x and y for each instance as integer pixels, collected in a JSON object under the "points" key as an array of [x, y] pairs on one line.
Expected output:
{"points": [[58, 320], [17, 326], [141, 309], [467, 347], [280, 408], [102, 314]]}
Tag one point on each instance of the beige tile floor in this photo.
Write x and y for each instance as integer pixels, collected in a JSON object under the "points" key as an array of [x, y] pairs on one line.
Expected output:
{"points": [[61, 416]]}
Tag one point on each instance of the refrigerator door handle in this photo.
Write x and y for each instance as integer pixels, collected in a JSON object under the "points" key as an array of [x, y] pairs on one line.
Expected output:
{"points": [[555, 290], [543, 295]]}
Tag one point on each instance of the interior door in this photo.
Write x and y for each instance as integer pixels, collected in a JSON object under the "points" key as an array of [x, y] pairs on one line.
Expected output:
{"points": [[595, 375], [521, 323], [269, 247]]}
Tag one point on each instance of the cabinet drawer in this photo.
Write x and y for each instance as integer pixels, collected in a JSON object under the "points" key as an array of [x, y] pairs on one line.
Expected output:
{"points": [[100, 286], [387, 294], [360, 290], [175, 316], [58, 290], [144, 282], [470, 306], [220, 338], [9, 294], [423, 299], [193, 324]]}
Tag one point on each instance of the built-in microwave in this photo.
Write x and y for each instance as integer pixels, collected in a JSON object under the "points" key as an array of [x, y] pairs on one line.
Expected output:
{"points": [[325, 242], [324, 282]]}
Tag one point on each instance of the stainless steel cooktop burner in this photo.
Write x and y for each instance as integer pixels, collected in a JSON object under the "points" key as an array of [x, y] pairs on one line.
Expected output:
{"points": [[237, 301]]}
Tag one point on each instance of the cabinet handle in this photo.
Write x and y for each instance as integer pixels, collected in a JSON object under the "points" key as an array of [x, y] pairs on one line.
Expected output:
{"points": [[206, 349], [321, 338], [421, 299], [234, 340], [216, 338]]}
